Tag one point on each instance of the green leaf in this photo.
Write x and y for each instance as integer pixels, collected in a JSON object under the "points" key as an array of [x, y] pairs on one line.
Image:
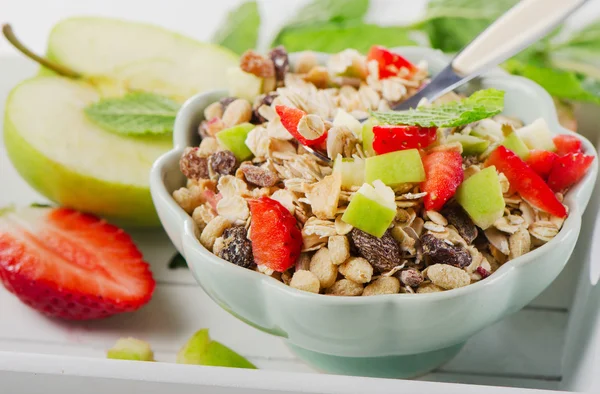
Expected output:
{"points": [[136, 113], [337, 37], [480, 105], [239, 31], [177, 261], [559, 83]]}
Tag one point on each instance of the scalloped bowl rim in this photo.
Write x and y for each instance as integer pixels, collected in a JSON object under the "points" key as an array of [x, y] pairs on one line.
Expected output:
{"points": [[572, 200]]}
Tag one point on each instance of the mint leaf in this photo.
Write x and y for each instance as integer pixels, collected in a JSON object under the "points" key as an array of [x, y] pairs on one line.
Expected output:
{"points": [[177, 261], [337, 37], [239, 31], [137, 113], [480, 105]]}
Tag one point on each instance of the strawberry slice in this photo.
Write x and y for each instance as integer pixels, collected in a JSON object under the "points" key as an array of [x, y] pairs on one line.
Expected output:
{"points": [[290, 118], [541, 161], [526, 181], [276, 241], [389, 62], [566, 144], [568, 170], [393, 138], [71, 265], [444, 174]]}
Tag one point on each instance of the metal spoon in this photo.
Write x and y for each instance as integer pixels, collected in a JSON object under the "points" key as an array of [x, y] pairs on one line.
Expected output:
{"points": [[522, 25]]}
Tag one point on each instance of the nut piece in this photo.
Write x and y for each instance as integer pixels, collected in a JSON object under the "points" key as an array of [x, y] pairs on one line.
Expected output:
{"points": [[321, 266], [223, 162], [239, 111], [237, 248], [279, 57], [305, 280], [339, 249], [357, 270], [457, 217], [192, 165], [411, 277], [215, 110], [225, 101], [254, 63], [448, 277], [440, 252], [213, 230], [345, 287], [383, 253], [383, 285], [428, 288], [259, 176]]}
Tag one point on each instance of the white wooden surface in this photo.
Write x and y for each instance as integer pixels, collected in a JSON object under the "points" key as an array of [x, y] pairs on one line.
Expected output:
{"points": [[524, 350]]}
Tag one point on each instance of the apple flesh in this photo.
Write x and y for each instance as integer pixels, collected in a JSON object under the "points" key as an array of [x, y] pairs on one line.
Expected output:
{"points": [[243, 85], [393, 168], [372, 209], [344, 119], [481, 197], [488, 129], [131, 349], [352, 171], [516, 144], [234, 139], [200, 349], [368, 136], [537, 135], [471, 145]]}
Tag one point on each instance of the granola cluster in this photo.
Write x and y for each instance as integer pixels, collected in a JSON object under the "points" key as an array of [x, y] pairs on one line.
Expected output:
{"points": [[422, 251]]}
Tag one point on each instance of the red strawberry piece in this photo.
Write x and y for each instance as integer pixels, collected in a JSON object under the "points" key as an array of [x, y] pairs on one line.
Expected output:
{"points": [[276, 241], [389, 62], [444, 174], [71, 265], [290, 118], [568, 170], [541, 161], [566, 143], [526, 181], [393, 138]]}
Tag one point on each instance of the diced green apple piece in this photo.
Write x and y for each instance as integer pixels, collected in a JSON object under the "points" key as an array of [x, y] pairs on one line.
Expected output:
{"points": [[471, 145], [234, 139], [352, 171], [367, 136], [393, 168], [131, 349], [481, 197], [537, 135], [243, 85], [372, 209], [201, 350], [343, 118], [488, 129], [516, 144]]}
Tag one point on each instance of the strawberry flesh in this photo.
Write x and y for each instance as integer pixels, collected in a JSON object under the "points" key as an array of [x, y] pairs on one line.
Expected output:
{"points": [[71, 265], [541, 161], [290, 118], [393, 138], [444, 174], [276, 240], [389, 62], [566, 144], [526, 181], [568, 170]]}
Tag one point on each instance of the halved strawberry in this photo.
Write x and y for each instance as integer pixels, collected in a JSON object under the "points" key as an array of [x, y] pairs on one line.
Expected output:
{"points": [[276, 241], [290, 118], [568, 170], [566, 143], [444, 174], [388, 138], [541, 161], [389, 62], [525, 181], [71, 265]]}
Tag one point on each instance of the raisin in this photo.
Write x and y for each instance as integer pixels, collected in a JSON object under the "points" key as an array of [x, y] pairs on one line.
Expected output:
{"points": [[259, 176], [280, 59], [192, 165], [226, 101], [440, 252], [457, 217], [255, 63], [383, 253], [223, 162], [410, 277], [266, 100], [237, 247]]}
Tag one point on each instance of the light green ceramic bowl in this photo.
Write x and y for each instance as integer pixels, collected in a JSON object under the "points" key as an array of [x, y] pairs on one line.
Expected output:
{"points": [[399, 335]]}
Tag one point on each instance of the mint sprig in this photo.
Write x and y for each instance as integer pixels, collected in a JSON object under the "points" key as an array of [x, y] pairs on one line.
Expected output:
{"points": [[239, 30], [138, 113], [480, 105]]}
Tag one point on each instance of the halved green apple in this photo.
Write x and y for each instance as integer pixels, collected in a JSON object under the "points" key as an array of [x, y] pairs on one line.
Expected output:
{"points": [[516, 144], [403, 166], [537, 135], [372, 209], [481, 197], [234, 139], [352, 171]]}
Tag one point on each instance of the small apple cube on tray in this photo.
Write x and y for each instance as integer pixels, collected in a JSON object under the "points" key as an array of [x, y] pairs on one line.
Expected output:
{"points": [[311, 185]]}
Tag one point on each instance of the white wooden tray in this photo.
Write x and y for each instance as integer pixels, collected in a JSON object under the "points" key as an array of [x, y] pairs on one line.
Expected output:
{"points": [[36, 353]]}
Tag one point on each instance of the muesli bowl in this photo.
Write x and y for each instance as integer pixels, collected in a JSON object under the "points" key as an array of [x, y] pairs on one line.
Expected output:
{"points": [[393, 335]]}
